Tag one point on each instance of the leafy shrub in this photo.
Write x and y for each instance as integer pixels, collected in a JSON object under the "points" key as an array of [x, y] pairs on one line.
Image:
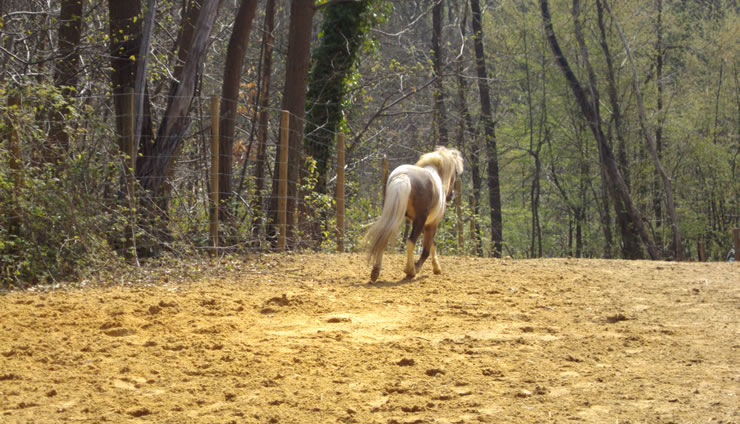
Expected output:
{"points": [[61, 219]]}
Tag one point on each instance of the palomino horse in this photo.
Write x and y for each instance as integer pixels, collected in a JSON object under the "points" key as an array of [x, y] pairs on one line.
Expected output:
{"points": [[417, 192]]}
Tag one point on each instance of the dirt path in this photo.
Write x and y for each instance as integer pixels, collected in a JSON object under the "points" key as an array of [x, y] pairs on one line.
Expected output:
{"points": [[305, 339]]}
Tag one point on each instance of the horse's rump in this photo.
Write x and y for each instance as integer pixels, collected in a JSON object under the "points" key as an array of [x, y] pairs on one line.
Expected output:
{"points": [[397, 195], [418, 192]]}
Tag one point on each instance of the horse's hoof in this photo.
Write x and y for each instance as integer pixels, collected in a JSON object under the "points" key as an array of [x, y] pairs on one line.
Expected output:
{"points": [[437, 271], [410, 275], [374, 274]]}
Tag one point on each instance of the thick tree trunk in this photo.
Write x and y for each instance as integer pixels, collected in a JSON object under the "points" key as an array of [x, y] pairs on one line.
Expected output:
{"points": [[667, 186], [185, 36], [294, 101], [152, 169], [333, 60], [617, 187], [263, 119], [489, 128], [125, 28], [471, 141], [440, 112], [343, 32], [613, 97], [630, 242], [66, 73], [235, 53], [142, 59]]}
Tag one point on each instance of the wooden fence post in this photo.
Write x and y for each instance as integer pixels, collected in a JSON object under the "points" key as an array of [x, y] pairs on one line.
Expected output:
{"points": [[458, 211], [129, 164], [736, 237], [215, 113], [340, 192], [283, 181]]}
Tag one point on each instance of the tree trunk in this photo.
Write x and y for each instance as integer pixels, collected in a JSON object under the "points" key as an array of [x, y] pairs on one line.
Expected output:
{"points": [[142, 59], [263, 121], [294, 101], [440, 112], [66, 73], [613, 98], [659, 60], [235, 53], [343, 30], [185, 36], [152, 168], [466, 124], [618, 189], [667, 187], [535, 247], [489, 127], [343, 34], [630, 243], [125, 28]]}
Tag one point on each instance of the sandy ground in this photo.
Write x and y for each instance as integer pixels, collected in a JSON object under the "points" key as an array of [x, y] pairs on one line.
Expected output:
{"points": [[306, 339]]}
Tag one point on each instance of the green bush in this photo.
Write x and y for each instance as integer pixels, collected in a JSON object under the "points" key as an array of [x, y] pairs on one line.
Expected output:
{"points": [[62, 219]]}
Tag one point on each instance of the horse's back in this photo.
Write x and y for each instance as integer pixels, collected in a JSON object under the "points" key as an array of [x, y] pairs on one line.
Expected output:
{"points": [[426, 197]]}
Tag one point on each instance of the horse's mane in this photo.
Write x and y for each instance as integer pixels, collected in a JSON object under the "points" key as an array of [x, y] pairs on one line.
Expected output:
{"points": [[447, 161]]}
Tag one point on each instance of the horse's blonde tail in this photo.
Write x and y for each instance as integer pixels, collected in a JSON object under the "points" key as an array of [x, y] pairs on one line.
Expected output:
{"points": [[394, 210]]}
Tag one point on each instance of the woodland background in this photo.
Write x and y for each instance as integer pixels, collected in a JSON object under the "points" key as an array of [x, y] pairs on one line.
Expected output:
{"points": [[589, 128]]}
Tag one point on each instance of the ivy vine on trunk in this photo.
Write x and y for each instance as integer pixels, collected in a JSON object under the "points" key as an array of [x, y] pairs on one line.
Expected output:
{"points": [[343, 34]]}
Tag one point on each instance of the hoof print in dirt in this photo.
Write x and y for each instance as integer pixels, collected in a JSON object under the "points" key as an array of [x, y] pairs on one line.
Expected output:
{"points": [[524, 393], [335, 320], [269, 307], [571, 358], [613, 319], [138, 412], [406, 362], [119, 332], [433, 372], [488, 372]]}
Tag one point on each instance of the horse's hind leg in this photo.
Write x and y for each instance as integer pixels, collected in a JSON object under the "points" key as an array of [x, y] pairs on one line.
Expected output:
{"points": [[375, 273], [410, 268], [428, 247], [435, 265]]}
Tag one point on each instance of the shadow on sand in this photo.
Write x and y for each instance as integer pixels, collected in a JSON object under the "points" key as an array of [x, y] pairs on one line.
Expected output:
{"points": [[401, 282]]}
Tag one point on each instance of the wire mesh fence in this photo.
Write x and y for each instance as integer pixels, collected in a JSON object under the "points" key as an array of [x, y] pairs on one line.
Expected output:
{"points": [[142, 200]]}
